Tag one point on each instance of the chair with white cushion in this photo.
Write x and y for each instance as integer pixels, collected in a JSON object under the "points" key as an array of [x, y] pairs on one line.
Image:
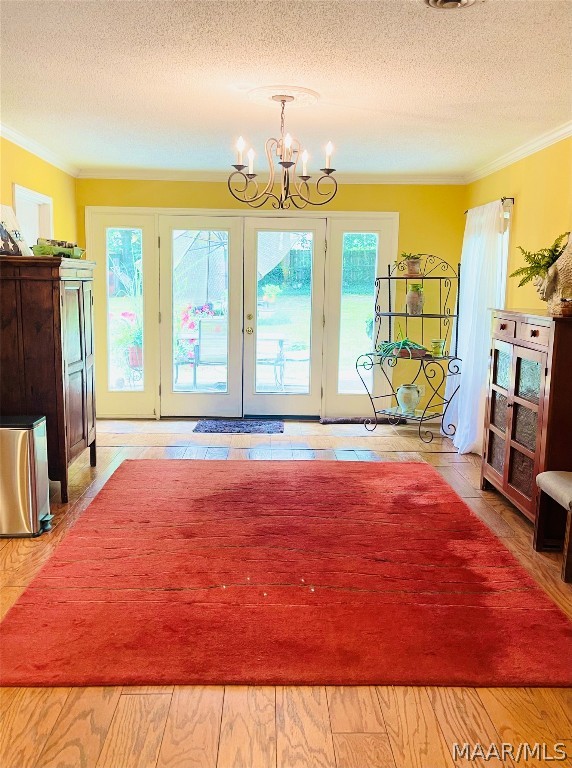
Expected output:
{"points": [[555, 486]]}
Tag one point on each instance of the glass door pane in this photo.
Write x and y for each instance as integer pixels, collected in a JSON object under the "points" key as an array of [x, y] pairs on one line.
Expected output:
{"points": [[283, 320], [528, 383], [125, 322], [359, 250], [125, 310], [502, 356], [357, 306], [284, 263], [200, 310], [500, 405], [201, 302]]}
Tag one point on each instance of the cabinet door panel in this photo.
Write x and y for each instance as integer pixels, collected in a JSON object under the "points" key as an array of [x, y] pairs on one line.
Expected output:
{"points": [[76, 421], [90, 403], [88, 318], [89, 360], [499, 414], [11, 353], [76, 424], [496, 453], [502, 364], [521, 473], [524, 448], [528, 376], [73, 322], [525, 426]]}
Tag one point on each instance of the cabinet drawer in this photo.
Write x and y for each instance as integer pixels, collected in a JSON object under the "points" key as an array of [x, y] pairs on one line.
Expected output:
{"points": [[538, 334], [503, 327]]}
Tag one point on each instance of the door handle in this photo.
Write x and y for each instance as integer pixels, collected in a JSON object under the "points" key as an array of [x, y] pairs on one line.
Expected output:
{"points": [[250, 331]]}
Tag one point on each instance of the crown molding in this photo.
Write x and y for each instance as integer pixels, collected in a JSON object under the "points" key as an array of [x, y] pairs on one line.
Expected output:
{"points": [[130, 174], [401, 178], [141, 174], [30, 145], [543, 141]]}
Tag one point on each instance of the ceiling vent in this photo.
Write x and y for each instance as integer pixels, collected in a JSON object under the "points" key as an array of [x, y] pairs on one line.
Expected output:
{"points": [[449, 5]]}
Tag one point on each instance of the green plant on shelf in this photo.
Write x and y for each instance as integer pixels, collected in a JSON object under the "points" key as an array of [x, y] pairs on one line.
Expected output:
{"points": [[401, 348], [404, 256]]}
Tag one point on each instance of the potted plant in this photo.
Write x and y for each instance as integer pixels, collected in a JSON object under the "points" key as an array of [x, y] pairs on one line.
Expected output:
{"points": [[412, 263], [539, 262], [130, 338], [402, 347]]}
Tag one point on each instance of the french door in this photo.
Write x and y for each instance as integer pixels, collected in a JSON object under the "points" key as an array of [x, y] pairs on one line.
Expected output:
{"points": [[241, 317], [226, 315], [283, 316], [201, 315]]}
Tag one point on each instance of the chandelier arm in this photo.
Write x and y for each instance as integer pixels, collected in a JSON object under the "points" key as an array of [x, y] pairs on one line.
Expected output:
{"points": [[303, 191], [256, 200], [299, 205], [275, 202], [329, 195], [242, 184], [285, 187], [271, 144]]}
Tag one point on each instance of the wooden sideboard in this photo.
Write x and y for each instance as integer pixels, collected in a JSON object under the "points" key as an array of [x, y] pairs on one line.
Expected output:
{"points": [[46, 352], [528, 415]]}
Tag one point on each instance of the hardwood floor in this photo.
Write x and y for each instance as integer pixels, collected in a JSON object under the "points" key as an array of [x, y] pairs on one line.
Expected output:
{"points": [[282, 727]]}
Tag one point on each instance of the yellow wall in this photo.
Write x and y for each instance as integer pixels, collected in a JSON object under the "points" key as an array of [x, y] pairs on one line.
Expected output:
{"points": [[431, 216], [542, 187], [18, 166]]}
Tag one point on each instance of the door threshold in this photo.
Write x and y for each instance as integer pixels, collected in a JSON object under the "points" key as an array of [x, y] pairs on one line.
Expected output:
{"points": [[274, 417]]}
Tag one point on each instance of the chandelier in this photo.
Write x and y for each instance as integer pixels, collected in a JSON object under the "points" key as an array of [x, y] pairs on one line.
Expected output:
{"points": [[286, 186]]}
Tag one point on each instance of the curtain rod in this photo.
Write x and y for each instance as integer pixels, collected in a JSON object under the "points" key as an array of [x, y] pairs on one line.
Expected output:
{"points": [[503, 200]]}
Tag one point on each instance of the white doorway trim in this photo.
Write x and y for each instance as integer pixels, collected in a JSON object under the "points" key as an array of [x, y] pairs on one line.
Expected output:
{"points": [[45, 211], [385, 221]]}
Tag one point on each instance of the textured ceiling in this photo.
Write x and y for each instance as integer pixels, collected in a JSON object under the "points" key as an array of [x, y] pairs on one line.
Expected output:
{"points": [[162, 84]]}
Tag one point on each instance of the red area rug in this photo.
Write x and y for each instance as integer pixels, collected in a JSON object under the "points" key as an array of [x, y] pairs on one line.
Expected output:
{"points": [[282, 572]]}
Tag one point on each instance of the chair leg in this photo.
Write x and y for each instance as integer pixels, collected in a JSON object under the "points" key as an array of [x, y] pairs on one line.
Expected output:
{"points": [[567, 554], [542, 511]]}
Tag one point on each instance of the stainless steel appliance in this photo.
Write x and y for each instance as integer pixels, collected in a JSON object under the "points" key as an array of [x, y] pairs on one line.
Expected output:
{"points": [[24, 486]]}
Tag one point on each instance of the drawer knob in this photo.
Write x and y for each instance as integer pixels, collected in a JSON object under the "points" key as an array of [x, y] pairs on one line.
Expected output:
{"points": [[534, 332], [503, 326]]}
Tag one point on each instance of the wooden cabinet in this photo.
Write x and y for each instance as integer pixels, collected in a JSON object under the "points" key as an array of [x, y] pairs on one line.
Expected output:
{"points": [[528, 418], [46, 352]]}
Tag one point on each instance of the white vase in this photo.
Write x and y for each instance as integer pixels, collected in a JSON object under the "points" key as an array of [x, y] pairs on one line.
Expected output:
{"points": [[408, 396]]}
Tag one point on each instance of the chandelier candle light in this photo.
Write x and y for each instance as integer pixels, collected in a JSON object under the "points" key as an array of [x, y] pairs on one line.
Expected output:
{"points": [[294, 189]]}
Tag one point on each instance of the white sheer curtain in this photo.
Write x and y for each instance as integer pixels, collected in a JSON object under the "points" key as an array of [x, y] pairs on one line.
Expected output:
{"points": [[483, 286]]}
